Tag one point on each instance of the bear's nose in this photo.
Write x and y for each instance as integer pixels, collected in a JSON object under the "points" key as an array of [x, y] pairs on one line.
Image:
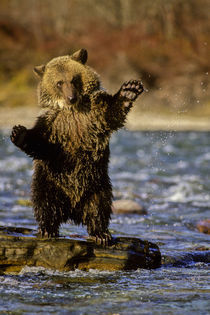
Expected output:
{"points": [[72, 99]]}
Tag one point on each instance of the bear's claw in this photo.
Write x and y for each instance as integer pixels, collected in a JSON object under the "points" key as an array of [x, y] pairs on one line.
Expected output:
{"points": [[45, 234], [104, 239], [130, 90]]}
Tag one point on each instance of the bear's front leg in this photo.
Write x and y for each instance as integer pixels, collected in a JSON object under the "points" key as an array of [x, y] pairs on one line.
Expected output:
{"points": [[23, 138], [32, 142], [121, 102], [18, 136], [129, 92]]}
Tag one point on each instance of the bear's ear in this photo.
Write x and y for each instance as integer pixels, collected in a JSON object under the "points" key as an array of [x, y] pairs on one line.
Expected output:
{"points": [[39, 70], [80, 56]]}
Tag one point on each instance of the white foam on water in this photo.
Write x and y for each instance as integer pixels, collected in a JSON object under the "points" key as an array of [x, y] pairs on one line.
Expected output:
{"points": [[129, 220], [203, 158], [185, 191], [73, 274], [13, 164], [5, 184], [142, 175], [9, 281], [19, 208]]}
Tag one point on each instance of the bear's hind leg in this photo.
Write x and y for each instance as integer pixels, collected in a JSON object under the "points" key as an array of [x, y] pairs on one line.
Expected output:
{"points": [[47, 228], [48, 223], [97, 214]]}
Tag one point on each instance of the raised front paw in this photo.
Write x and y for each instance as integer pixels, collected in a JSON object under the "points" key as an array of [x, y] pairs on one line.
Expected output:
{"points": [[130, 90], [18, 134]]}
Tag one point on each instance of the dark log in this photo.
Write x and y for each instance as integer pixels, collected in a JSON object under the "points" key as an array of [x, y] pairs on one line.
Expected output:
{"points": [[20, 247]]}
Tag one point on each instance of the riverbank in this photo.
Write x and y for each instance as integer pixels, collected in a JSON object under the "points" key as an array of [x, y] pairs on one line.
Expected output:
{"points": [[147, 121], [137, 120]]}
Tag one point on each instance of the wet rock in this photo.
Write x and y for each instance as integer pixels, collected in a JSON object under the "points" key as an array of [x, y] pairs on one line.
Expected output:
{"points": [[201, 248], [20, 247], [185, 259], [127, 207], [204, 226]]}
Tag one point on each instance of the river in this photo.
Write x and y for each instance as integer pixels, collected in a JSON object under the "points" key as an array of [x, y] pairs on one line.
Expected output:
{"points": [[169, 174]]}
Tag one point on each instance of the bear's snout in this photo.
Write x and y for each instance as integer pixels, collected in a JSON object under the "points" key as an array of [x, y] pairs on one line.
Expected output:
{"points": [[69, 93], [72, 99]]}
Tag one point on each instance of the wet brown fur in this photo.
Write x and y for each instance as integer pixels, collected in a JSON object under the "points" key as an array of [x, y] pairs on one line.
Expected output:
{"points": [[70, 145]]}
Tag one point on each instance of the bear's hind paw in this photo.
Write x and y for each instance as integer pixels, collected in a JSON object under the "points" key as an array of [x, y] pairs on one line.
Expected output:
{"points": [[104, 239], [46, 234]]}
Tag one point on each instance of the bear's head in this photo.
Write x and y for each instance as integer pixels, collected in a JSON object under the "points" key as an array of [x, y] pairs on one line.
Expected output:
{"points": [[66, 82]]}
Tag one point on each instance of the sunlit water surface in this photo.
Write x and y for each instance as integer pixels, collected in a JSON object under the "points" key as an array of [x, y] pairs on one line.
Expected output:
{"points": [[168, 173]]}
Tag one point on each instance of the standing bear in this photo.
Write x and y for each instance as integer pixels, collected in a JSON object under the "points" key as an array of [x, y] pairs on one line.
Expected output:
{"points": [[69, 144]]}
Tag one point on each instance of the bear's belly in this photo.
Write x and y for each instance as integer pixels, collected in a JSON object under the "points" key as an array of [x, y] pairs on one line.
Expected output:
{"points": [[76, 183]]}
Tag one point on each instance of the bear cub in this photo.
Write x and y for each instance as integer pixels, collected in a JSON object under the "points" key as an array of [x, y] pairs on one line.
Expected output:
{"points": [[69, 144]]}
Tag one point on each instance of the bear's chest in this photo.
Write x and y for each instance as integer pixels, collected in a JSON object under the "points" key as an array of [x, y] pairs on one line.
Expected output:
{"points": [[79, 133]]}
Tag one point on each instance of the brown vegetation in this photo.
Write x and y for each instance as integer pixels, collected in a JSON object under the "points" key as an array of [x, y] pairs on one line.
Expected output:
{"points": [[163, 42]]}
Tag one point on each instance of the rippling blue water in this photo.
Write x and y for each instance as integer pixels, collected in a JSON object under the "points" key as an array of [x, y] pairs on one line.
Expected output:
{"points": [[167, 172]]}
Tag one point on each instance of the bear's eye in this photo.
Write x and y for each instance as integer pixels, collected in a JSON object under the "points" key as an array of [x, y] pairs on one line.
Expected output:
{"points": [[77, 82], [59, 84]]}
